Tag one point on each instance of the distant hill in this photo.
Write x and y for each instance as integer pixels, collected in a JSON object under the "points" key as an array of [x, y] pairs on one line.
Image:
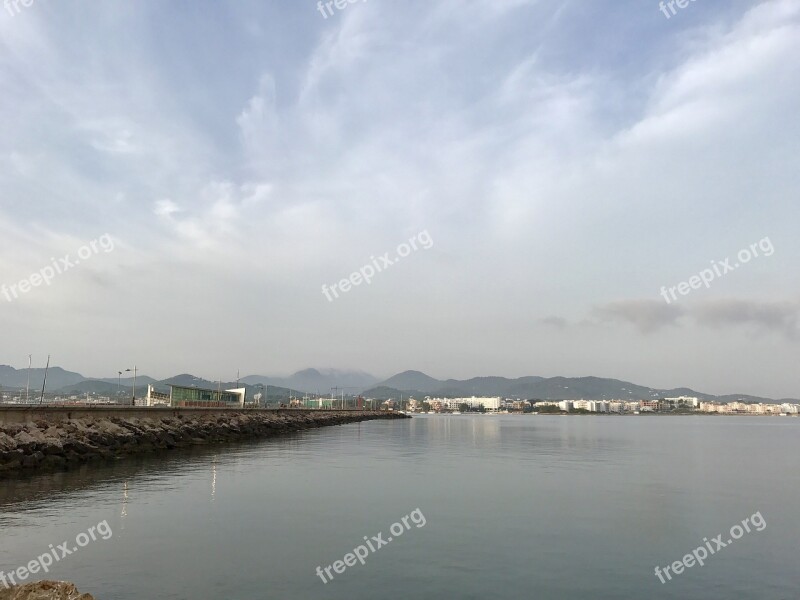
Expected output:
{"points": [[405, 384], [96, 386], [387, 393], [419, 385], [18, 378], [140, 380], [104, 387], [413, 380], [318, 380]]}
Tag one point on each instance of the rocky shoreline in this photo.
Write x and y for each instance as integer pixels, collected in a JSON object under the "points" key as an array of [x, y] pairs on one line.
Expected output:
{"points": [[57, 445], [43, 590]]}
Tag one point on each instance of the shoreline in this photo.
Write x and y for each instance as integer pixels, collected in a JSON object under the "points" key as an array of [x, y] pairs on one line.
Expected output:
{"points": [[607, 414], [43, 590], [48, 439]]}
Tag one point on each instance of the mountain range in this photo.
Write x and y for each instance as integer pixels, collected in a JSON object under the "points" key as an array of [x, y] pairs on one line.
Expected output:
{"points": [[68, 382], [419, 385], [402, 385]]}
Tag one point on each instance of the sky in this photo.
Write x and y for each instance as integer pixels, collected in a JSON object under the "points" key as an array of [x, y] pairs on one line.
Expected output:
{"points": [[508, 187]]}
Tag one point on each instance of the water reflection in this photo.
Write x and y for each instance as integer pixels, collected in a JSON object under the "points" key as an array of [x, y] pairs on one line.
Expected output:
{"points": [[39, 490], [124, 502], [213, 478]]}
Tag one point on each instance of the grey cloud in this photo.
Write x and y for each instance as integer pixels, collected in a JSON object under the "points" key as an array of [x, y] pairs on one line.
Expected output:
{"points": [[775, 316], [554, 321], [647, 315]]}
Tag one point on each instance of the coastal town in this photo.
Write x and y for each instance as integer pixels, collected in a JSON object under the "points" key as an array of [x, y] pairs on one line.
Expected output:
{"points": [[678, 405], [188, 397]]}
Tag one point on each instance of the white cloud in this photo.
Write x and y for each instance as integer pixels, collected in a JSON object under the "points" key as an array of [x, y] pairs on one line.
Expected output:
{"points": [[555, 171]]}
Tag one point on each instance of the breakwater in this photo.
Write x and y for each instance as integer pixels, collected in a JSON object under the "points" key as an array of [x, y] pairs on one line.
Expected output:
{"points": [[44, 590], [59, 438]]}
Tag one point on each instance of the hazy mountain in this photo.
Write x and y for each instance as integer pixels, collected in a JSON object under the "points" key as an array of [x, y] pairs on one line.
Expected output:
{"points": [[318, 380], [97, 386], [417, 384], [18, 378], [142, 380], [387, 393], [405, 384], [414, 380], [309, 380]]}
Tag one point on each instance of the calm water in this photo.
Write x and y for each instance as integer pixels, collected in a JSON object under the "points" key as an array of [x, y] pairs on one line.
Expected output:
{"points": [[515, 507]]}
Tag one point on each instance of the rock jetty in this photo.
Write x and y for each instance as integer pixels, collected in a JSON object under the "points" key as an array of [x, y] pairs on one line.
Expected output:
{"points": [[43, 590], [59, 444]]}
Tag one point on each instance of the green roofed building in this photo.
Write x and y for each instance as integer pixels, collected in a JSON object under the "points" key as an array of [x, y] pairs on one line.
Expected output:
{"points": [[194, 397]]}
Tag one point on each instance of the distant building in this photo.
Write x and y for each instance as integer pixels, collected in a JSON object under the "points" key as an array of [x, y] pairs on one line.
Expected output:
{"points": [[688, 400], [182, 396], [491, 404], [154, 398]]}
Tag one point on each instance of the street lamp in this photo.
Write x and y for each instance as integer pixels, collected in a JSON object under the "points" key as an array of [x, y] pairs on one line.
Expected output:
{"points": [[119, 384], [133, 392], [262, 400], [28, 387]]}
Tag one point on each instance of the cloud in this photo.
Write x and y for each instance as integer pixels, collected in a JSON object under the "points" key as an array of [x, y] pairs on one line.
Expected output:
{"points": [[259, 121], [765, 316], [646, 315], [555, 322], [166, 208], [557, 156]]}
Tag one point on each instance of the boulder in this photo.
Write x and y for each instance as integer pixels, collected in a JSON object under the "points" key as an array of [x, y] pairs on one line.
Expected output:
{"points": [[43, 590], [7, 442]]}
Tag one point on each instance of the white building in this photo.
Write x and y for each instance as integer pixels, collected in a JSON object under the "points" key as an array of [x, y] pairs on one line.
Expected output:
{"points": [[154, 398], [490, 404], [688, 400]]}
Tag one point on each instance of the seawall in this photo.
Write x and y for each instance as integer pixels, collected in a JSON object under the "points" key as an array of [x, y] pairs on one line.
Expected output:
{"points": [[57, 438]]}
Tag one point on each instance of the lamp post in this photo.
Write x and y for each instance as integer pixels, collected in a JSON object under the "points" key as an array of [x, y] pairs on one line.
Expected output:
{"points": [[119, 384], [28, 387], [133, 392]]}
